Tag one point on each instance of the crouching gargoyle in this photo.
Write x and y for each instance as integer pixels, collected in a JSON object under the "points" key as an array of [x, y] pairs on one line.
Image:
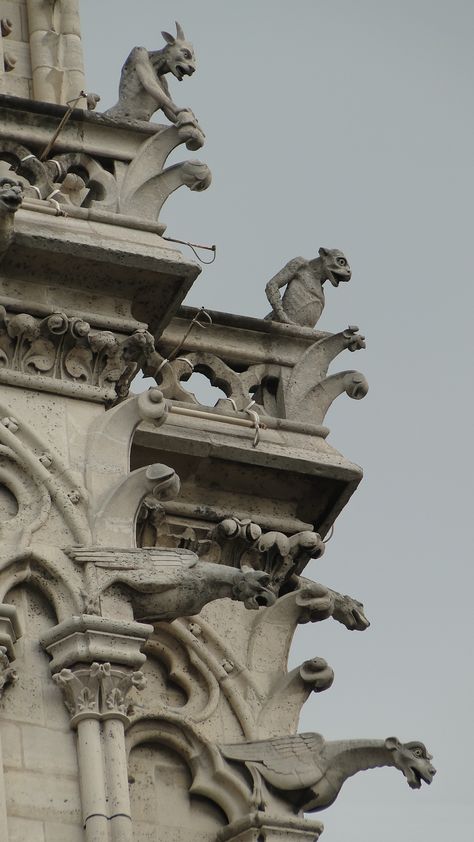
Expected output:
{"points": [[303, 300], [164, 584], [309, 772], [143, 87], [11, 197]]}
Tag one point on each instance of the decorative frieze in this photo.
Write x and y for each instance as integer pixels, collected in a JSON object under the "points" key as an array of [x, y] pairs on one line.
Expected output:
{"points": [[69, 350]]}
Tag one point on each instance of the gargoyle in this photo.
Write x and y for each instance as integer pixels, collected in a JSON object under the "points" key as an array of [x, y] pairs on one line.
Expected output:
{"points": [[303, 300], [143, 88], [315, 602], [310, 772], [11, 197], [165, 584]]}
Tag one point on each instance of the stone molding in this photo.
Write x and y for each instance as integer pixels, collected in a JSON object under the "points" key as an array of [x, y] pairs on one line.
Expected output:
{"points": [[87, 638], [261, 825]]}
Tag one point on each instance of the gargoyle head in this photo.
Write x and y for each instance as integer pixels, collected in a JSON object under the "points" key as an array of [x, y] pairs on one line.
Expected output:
{"points": [[11, 195], [179, 53], [250, 587], [413, 760], [335, 265]]}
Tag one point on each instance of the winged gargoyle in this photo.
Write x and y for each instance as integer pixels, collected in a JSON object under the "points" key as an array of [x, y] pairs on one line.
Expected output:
{"points": [[163, 584], [309, 772]]}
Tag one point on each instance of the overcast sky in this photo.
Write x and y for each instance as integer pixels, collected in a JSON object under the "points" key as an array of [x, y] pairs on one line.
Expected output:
{"points": [[349, 124]]}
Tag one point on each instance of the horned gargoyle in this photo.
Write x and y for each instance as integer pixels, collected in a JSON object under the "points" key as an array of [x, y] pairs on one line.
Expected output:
{"points": [[11, 197], [143, 87], [303, 300], [309, 772], [167, 583]]}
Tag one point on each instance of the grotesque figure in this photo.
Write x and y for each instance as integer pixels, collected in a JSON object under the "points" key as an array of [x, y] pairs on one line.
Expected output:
{"points": [[11, 197], [310, 772], [303, 299], [143, 88]]}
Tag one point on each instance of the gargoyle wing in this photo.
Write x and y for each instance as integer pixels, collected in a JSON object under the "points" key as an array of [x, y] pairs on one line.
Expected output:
{"points": [[288, 762]]}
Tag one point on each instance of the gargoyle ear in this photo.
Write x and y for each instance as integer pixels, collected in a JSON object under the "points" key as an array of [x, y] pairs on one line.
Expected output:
{"points": [[179, 32], [170, 39], [391, 743], [323, 252]]}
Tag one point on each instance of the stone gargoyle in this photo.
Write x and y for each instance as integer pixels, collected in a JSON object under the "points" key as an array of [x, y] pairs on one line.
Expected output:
{"points": [[303, 300], [163, 584], [143, 87], [309, 771], [11, 197]]}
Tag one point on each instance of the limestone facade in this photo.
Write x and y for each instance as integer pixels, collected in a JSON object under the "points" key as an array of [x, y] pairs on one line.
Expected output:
{"points": [[153, 549]]}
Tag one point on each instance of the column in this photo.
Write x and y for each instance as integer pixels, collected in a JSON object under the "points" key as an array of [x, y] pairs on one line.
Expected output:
{"points": [[94, 664]]}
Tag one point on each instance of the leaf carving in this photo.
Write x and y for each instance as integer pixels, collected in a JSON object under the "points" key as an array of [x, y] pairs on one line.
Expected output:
{"points": [[41, 356], [78, 363]]}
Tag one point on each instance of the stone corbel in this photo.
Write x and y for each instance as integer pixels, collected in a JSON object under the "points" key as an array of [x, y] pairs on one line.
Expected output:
{"points": [[110, 439], [286, 698], [312, 403], [115, 521]]}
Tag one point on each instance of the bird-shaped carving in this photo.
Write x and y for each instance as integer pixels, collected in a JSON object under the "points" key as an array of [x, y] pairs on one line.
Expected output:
{"points": [[309, 771]]}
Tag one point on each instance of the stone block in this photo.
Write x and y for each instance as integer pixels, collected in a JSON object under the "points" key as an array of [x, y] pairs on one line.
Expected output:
{"points": [[24, 830], [46, 750], [42, 796], [55, 832], [11, 745]]}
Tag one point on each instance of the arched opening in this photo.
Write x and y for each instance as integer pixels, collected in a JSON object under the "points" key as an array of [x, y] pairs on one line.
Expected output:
{"points": [[162, 806]]}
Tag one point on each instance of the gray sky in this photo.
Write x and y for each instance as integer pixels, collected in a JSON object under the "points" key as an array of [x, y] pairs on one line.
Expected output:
{"points": [[349, 124]]}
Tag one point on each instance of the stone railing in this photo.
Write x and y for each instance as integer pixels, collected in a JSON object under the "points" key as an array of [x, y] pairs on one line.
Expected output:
{"points": [[279, 371], [96, 166]]}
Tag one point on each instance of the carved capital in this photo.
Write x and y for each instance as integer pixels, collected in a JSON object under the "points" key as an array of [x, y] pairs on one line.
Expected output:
{"points": [[99, 691]]}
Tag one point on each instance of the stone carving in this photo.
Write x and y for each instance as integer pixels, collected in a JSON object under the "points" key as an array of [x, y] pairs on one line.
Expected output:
{"points": [[99, 689], [244, 545], [11, 197], [303, 394], [310, 771], [68, 349], [166, 584], [143, 87], [315, 602], [140, 188], [8, 675], [303, 300], [81, 181], [235, 543]]}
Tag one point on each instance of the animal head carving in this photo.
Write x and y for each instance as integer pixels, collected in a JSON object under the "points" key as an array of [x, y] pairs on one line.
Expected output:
{"points": [[251, 588], [413, 760], [335, 265], [179, 53], [11, 195]]}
